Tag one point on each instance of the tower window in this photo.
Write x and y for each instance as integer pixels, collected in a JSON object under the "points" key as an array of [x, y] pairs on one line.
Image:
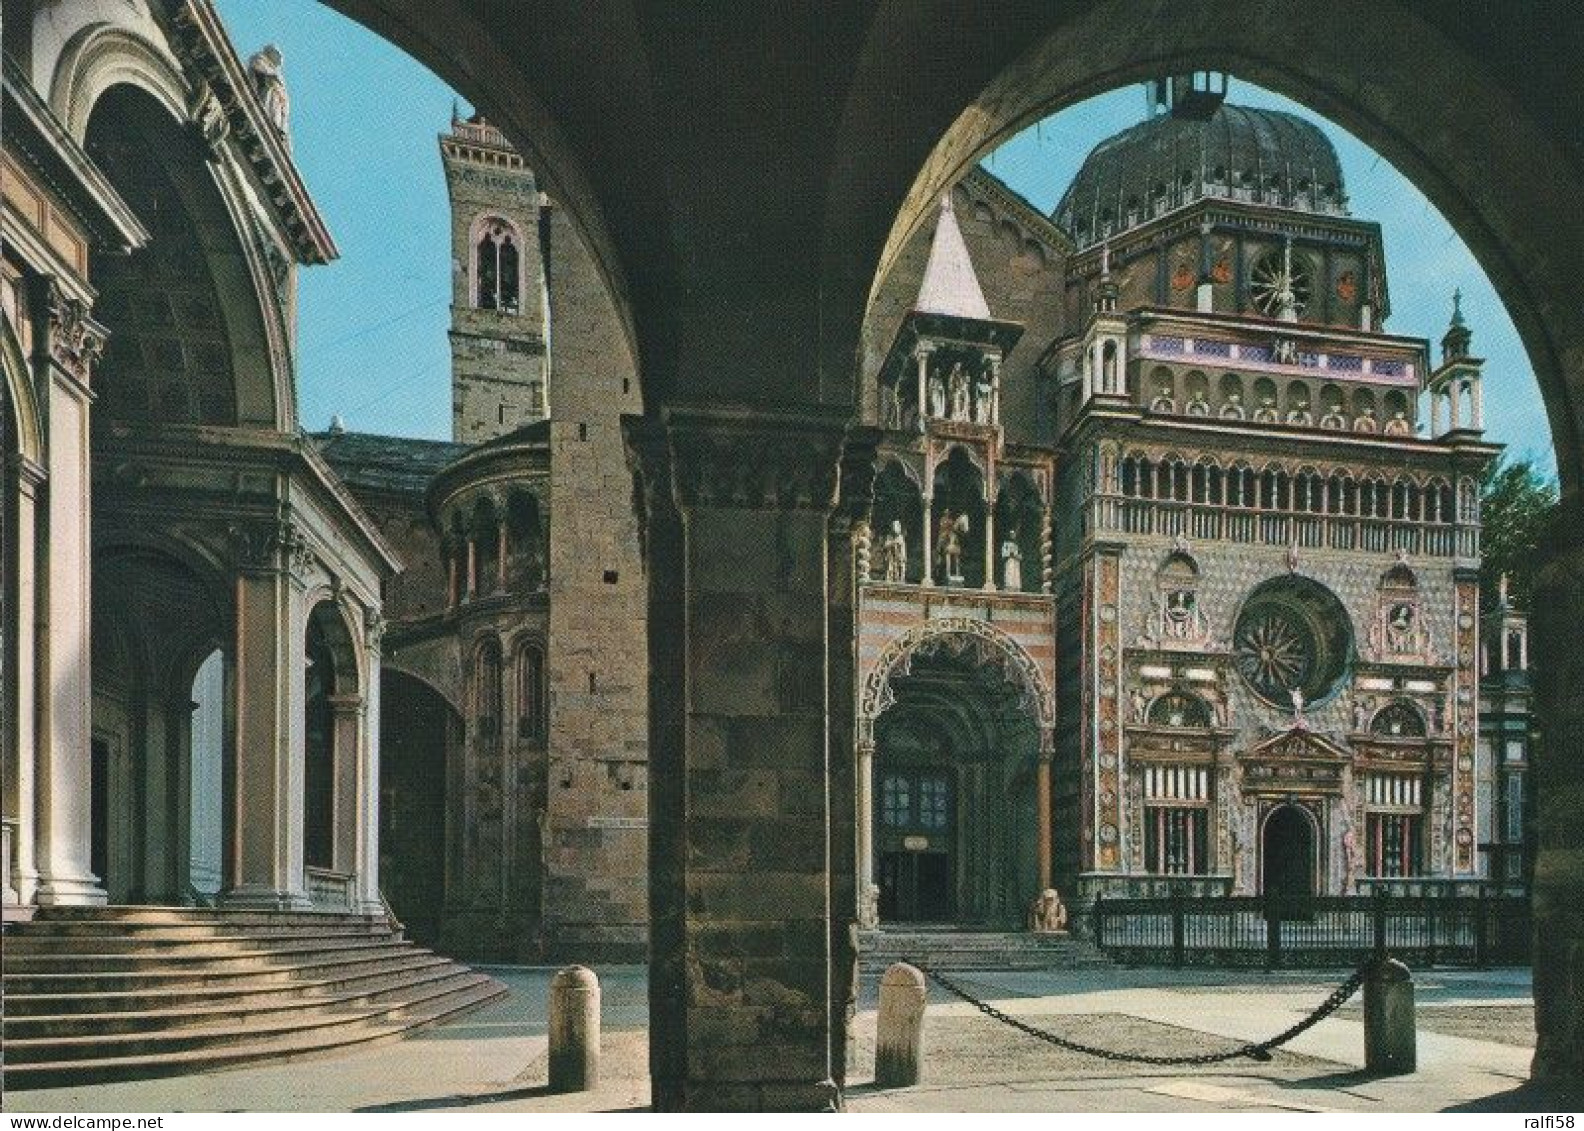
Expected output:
{"points": [[497, 274]]}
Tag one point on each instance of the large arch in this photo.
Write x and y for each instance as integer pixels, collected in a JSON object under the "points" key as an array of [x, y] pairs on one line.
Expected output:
{"points": [[778, 193], [195, 332], [956, 635]]}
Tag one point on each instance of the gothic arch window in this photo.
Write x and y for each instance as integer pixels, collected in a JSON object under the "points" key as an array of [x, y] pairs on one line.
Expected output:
{"points": [[1309, 494], [1398, 720], [1179, 709], [1174, 479], [1240, 486], [531, 720], [487, 688], [497, 265]]}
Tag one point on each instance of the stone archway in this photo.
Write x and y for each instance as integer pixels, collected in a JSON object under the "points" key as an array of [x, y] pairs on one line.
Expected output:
{"points": [[787, 225], [954, 726]]}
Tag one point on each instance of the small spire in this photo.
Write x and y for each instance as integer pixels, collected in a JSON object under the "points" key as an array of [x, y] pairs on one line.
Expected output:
{"points": [[950, 284], [337, 425], [1455, 343]]}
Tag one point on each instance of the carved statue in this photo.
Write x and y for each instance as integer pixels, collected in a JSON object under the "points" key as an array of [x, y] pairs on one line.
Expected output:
{"points": [[1366, 422], [1361, 715], [984, 396], [893, 553], [270, 85], [1334, 420], [1233, 409], [1266, 413], [953, 529], [1300, 414], [1398, 425], [1140, 703], [1011, 563], [1163, 401], [1048, 916], [937, 396], [1298, 707], [957, 386], [1198, 406]]}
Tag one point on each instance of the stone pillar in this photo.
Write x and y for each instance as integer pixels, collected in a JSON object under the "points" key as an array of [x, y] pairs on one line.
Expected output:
{"points": [[928, 576], [899, 1028], [472, 569], [574, 1030], [740, 825], [868, 891], [1390, 1040], [1042, 804], [847, 568], [995, 390], [67, 342], [1047, 555], [269, 691], [1435, 413], [26, 561], [990, 540], [1477, 403], [365, 860], [923, 354], [1558, 777], [501, 546], [347, 713]]}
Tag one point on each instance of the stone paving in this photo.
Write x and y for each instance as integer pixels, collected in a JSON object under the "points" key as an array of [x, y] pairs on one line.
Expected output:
{"points": [[1474, 1052]]}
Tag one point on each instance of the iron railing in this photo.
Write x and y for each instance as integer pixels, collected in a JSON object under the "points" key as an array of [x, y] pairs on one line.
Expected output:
{"points": [[1328, 931]]}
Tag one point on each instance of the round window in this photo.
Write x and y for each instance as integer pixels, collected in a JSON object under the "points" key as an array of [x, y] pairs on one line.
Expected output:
{"points": [[1292, 634]]}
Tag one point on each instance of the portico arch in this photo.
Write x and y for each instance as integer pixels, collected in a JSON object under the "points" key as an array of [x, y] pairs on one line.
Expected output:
{"points": [[953, 772]]}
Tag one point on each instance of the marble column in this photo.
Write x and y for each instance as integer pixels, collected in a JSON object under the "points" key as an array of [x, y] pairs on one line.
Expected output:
{"points": [[868, 890], [928, 547], [269, 691], [365, 860], [67, 342], [741, 919], [847, 568], [25, 561], [1558, 777], [1042, 804]]}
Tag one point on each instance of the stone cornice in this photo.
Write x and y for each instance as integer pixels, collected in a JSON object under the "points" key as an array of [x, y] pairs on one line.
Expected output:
{"points": [[758, 460]]}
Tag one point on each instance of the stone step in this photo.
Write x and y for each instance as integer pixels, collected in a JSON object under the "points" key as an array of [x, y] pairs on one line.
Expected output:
{"points": [[47, 941], [166, 1042], [977, 950], [48, 1074], [191, 977], [258, 956], [251, 1009], [330, 979], [121, 919]]}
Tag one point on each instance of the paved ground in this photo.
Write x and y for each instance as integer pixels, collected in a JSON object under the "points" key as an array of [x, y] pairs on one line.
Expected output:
{"points": [[1474, 1048]]}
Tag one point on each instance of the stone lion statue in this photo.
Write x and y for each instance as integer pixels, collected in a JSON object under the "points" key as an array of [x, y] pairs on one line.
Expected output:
{"points": [[1048, 915]]}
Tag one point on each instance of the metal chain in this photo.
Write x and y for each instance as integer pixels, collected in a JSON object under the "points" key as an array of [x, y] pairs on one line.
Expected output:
{"points": [[1259, 1051]]}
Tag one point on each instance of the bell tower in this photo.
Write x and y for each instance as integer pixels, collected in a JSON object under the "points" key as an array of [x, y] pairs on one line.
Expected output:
{"points": [[499, 329]]}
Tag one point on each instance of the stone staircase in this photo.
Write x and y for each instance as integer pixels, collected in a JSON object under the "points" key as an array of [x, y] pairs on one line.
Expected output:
{"points": [[95, 994], [951, 949]]}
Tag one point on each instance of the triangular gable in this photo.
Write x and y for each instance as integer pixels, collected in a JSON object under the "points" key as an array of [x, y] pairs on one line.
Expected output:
{"points": [[1298, 742]]}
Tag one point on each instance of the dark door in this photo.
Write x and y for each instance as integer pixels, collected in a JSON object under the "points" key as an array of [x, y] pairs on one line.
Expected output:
{"points": [[99, 808], [1287, 854], [917, 839]]}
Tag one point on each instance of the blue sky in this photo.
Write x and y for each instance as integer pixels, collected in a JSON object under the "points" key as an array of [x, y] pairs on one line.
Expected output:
{"points": [[372, 329]]}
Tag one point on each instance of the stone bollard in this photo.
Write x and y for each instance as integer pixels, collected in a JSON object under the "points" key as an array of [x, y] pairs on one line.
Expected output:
{"points": [[574, 1030], [1389, 1035], [899, 1033]]}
